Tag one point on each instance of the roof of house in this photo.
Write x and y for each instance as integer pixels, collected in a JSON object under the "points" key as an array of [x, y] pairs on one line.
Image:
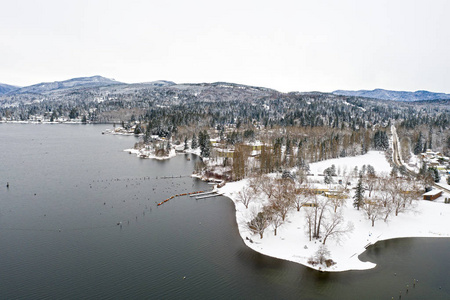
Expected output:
{"points": [[432, 193]]}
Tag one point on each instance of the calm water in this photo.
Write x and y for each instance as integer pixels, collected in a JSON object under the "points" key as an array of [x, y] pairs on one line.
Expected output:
{"points": [[59, 238]]}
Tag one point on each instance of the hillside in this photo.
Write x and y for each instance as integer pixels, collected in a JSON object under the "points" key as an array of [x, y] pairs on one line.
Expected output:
{"points": [[6, 88], [45, 87], [394, 95]]}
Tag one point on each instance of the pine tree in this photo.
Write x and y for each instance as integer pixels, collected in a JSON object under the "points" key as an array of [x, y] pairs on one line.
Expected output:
{"points": [[394, 171], [169, 146], [419, 145], [380, 140], [358, 198], [435, 174], [205, 144], [430, 138], [194, 144]]}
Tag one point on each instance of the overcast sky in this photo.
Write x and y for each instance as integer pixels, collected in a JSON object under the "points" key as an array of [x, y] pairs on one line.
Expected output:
{"points": [[319, 45]]}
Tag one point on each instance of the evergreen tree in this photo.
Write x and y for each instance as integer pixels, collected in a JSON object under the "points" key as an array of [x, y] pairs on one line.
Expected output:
{"points": [[194, 144], [394, 171], [419, 145], [138, 129], [435, 174], [329, 172], [205, 144], [147, 134], [73, 113], [430, 138], [370, 170], [288, 146], [358, 198], [186, 143], [169, 146], [380, 140]]}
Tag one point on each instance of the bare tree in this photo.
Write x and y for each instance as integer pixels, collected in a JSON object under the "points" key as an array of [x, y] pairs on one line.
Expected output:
{"points": [[384, 196], [283, 197], [259, 223], [309, 218], [346, 179], [246, 195], [319, 211], [302, 196], [267, 186], [338, 199], [256, 183], [397, 196], [373, 209], [322, 254], [335, 228], [275, 219], [315, 211], [370, 181]]}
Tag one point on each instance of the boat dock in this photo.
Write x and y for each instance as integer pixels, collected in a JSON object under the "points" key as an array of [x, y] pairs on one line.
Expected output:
{"points": [[208, 196], [202, 193], [198, 195]]}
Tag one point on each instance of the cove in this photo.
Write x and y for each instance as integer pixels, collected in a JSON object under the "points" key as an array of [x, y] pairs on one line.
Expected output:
{"points": [[69, 188]]}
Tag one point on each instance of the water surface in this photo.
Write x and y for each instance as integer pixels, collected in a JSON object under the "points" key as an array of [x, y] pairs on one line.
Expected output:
{"points": [[69, 188]]}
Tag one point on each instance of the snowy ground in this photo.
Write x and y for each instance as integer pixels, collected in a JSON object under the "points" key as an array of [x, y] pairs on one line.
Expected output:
{"points": [[428, 219], [149, 154]]}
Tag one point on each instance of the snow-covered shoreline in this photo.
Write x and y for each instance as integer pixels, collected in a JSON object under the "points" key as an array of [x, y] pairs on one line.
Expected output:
{"points": [[427, 219], [147, 154]]}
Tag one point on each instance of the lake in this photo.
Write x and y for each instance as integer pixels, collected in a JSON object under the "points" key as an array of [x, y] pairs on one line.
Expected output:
{"points": [[80, 221]]}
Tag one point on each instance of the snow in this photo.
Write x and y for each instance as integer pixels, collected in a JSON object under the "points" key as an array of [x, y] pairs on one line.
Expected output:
{"points": [[427, 219], [150, 154], [374, 158]]}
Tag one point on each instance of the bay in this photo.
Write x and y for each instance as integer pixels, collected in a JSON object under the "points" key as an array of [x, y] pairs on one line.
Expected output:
{"points": [[80, 221]]}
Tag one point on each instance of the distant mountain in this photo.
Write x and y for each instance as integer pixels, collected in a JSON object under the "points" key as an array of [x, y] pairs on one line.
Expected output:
{"points": [[394, 95], [6, 88], [94, 81], [157, 83]]}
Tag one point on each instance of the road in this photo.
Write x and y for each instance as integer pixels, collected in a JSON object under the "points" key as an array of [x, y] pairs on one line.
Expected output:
{"points": [[397, 158]]}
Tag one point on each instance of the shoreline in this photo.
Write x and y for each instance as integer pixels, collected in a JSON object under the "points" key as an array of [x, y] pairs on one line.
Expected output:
{"points": [[289, 243], [428, 219]]}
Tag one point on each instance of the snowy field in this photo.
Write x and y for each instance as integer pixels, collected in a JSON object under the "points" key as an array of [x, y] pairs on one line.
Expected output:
{"points": [[427, 219], [347, 164]]}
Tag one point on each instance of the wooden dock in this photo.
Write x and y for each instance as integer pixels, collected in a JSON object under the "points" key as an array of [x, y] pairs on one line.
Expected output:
{"points": [[208, 196], [198, 195], [202, 194]]}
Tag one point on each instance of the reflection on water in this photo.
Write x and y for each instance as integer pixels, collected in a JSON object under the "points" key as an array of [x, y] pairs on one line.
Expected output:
{"points": [[80, 221]]}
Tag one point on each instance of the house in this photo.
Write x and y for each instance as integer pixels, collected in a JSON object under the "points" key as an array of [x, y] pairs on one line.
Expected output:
{"points": [[335, 195], [319, 191], [224, 152], [432, 195]]}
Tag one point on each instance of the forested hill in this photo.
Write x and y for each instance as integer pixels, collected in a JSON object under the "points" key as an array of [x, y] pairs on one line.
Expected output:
{"points": [[214, 104], [6, 88], [44, 87], [394, 95], [317, 120]]}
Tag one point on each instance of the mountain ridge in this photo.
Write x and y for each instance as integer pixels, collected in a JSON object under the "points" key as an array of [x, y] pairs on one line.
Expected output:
{"points": [[383, 94], [6, 88], [43, 87]]}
